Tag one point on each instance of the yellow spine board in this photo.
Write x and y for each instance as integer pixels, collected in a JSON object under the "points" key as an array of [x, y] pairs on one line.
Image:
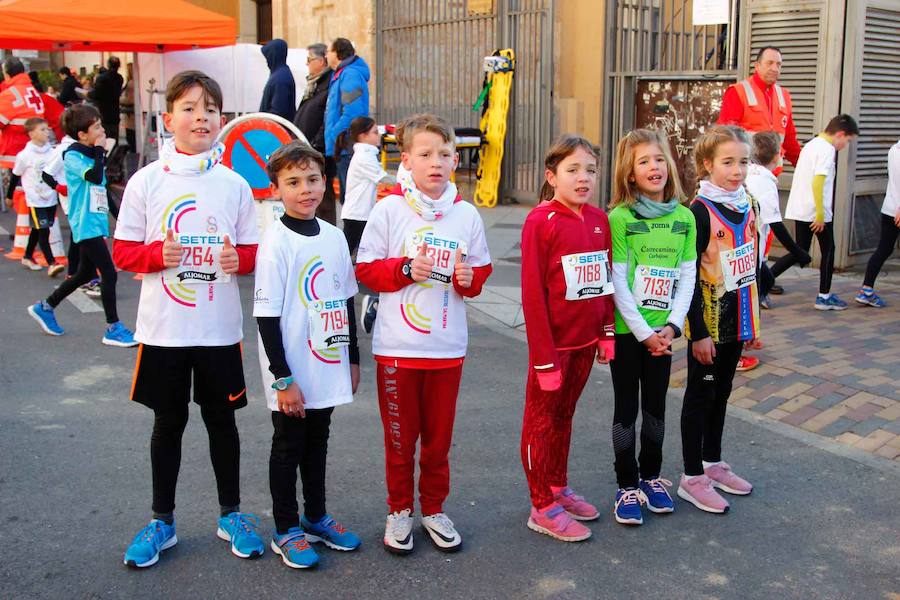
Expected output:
{"points": [[493, 124]]}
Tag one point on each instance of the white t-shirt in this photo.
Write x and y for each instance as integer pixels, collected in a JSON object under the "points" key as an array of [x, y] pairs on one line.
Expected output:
{"points": [[816, 158], [428, 319], [29, 165], [763, 186], [362, 178], [293, 273], [201, 209], [56, 168], [892, 193]]}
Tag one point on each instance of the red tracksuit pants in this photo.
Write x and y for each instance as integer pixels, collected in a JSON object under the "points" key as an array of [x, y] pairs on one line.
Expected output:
{"points": [[414, 403], [547, 427]]}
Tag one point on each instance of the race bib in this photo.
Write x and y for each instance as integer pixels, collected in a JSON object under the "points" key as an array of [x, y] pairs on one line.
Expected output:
{"points": [[739, 266], [443, 251], [329, 326], [199, 261], [98, 202], [654, 287], [587, 275]]}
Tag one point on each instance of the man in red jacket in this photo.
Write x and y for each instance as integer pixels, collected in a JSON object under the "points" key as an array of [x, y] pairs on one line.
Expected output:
{"points": [[758, 103], [19, 101]]}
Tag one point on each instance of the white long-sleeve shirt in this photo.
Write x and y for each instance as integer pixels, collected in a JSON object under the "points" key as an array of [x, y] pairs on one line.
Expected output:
{"points": [[892, 193]]}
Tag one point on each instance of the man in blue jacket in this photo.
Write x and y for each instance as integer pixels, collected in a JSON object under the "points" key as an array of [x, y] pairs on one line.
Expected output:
{"points": [[348, 98], [279, 94]]}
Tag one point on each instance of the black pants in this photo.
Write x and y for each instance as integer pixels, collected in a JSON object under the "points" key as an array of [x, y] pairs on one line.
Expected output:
{"points": [[94, 255], [798, 254], [165, 453], [327, 210], [886, 243], [39, 237], [705, 401], [343, 165], [304, 443], [804, 241], [73, 256], [353, 231], [634, 370]]}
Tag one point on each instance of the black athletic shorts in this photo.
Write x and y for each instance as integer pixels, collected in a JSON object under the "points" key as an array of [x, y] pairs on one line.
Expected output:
{"points": [[162, 376], [42, 217]]}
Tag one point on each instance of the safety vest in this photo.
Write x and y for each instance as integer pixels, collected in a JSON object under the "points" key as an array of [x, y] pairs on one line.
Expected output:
{"points": [[19, 101]]}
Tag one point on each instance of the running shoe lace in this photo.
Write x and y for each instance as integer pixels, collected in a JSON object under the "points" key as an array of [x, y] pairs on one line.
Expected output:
{"points": [[330, 523], [631, 497], [150, 531], [399, 522], [246, 522], [659, 485], [299, 544], [443, 521]]}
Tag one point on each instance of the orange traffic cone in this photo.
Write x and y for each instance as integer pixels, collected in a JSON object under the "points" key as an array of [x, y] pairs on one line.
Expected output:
{"points": [[23, 229]]}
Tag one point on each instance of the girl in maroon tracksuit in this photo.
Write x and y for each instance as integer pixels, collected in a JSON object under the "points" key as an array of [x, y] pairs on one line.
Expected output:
{"points": [[567, 298]]}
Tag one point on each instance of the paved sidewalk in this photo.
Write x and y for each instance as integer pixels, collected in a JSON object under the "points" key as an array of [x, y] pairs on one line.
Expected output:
{"points": [[834, 374]]}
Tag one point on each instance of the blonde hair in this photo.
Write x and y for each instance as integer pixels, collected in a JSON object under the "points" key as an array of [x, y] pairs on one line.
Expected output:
{"points": [[706, 145], [564, 145], [625, 191], [409, 127]]}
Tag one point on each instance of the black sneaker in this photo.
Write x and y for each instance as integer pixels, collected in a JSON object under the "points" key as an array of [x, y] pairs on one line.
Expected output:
{"points": [[369, 311], [776, 290]]}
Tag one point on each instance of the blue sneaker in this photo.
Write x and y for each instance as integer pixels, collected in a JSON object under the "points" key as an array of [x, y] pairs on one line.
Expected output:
{"points": [[294, 549], [628, 506], [331, 533], [46, 318], [240, 530], [119, 335], [832, 302], [149, 542], [658, 498], [870, 299]]}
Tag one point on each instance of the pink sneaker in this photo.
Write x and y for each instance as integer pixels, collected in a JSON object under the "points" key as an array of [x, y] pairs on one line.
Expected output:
{"points": [[724, 478], [577, 507], [699, 491], [556, 522]]}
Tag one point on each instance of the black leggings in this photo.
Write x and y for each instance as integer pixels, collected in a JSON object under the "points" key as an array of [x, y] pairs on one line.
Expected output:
{"points": [[804, 241], [39, 237], [353, 231], [705, 401], [72, 256], [797, 255], [634, 370], [165, 454], [94, 255], [299, 442], [886, 244]]}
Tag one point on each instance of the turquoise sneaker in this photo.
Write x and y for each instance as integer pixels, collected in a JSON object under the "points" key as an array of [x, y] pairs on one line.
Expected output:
{"points": [[870, 299], [240, 530], [294, 549], [118, 335], [46, 318], [149, 542], [331, 533]]}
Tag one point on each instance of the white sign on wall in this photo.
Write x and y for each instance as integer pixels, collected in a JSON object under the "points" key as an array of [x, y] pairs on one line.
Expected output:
{"points": [[710, 12]]}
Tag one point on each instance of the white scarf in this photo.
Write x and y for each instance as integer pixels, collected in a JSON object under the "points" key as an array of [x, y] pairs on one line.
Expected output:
{"points": [[738, 200], [428, 208], [189, 164]]}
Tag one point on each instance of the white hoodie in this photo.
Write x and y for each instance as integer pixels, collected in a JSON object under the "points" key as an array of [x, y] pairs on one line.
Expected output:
{"points": [[29, 166]]}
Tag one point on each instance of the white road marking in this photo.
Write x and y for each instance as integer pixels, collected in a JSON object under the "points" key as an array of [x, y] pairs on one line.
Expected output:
{"points": [[83, 303]]}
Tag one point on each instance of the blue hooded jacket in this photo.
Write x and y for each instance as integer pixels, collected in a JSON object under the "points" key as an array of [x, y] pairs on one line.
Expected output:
{"points": [[279, 95], [348, 98]]}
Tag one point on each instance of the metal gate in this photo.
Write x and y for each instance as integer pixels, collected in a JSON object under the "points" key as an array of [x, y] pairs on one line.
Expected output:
{"points": [[429, 55]]}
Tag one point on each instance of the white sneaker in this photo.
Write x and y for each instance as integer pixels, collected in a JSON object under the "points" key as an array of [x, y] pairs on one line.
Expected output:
{"points": [[55, 269], [31, 265], [398, 532], [442, 532]]}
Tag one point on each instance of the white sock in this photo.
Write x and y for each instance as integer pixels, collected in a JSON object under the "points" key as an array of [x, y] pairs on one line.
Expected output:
{"points": [[824, 296], [707, 465]]}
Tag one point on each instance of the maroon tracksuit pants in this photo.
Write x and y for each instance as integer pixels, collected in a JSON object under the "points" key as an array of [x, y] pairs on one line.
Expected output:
{"points": [[547, 427]]}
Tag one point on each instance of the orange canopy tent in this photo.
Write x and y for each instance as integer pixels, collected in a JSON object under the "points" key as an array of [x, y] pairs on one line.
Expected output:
{"points": [[111, 25]]}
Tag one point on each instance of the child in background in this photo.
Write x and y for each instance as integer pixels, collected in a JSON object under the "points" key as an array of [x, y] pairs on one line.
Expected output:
{"points": [[724, 313], [811, 203], [763, 186], [654, 241], [890, 228], [308, 353], [363, 177], [54, 175], [40, 198], [178, 219], [89, 208], [425, 250], [567, 300]]}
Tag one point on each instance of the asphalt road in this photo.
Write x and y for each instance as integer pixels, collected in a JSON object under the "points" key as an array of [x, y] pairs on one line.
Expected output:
{"points": [[75, 487]]}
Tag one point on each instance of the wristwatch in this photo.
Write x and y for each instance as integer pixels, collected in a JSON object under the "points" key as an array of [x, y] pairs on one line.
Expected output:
{"points": [[676, 329], [282, 383], [406, 269]]}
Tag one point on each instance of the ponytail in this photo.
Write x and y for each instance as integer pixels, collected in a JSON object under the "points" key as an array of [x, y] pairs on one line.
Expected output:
{"points": [[348, 137]]}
